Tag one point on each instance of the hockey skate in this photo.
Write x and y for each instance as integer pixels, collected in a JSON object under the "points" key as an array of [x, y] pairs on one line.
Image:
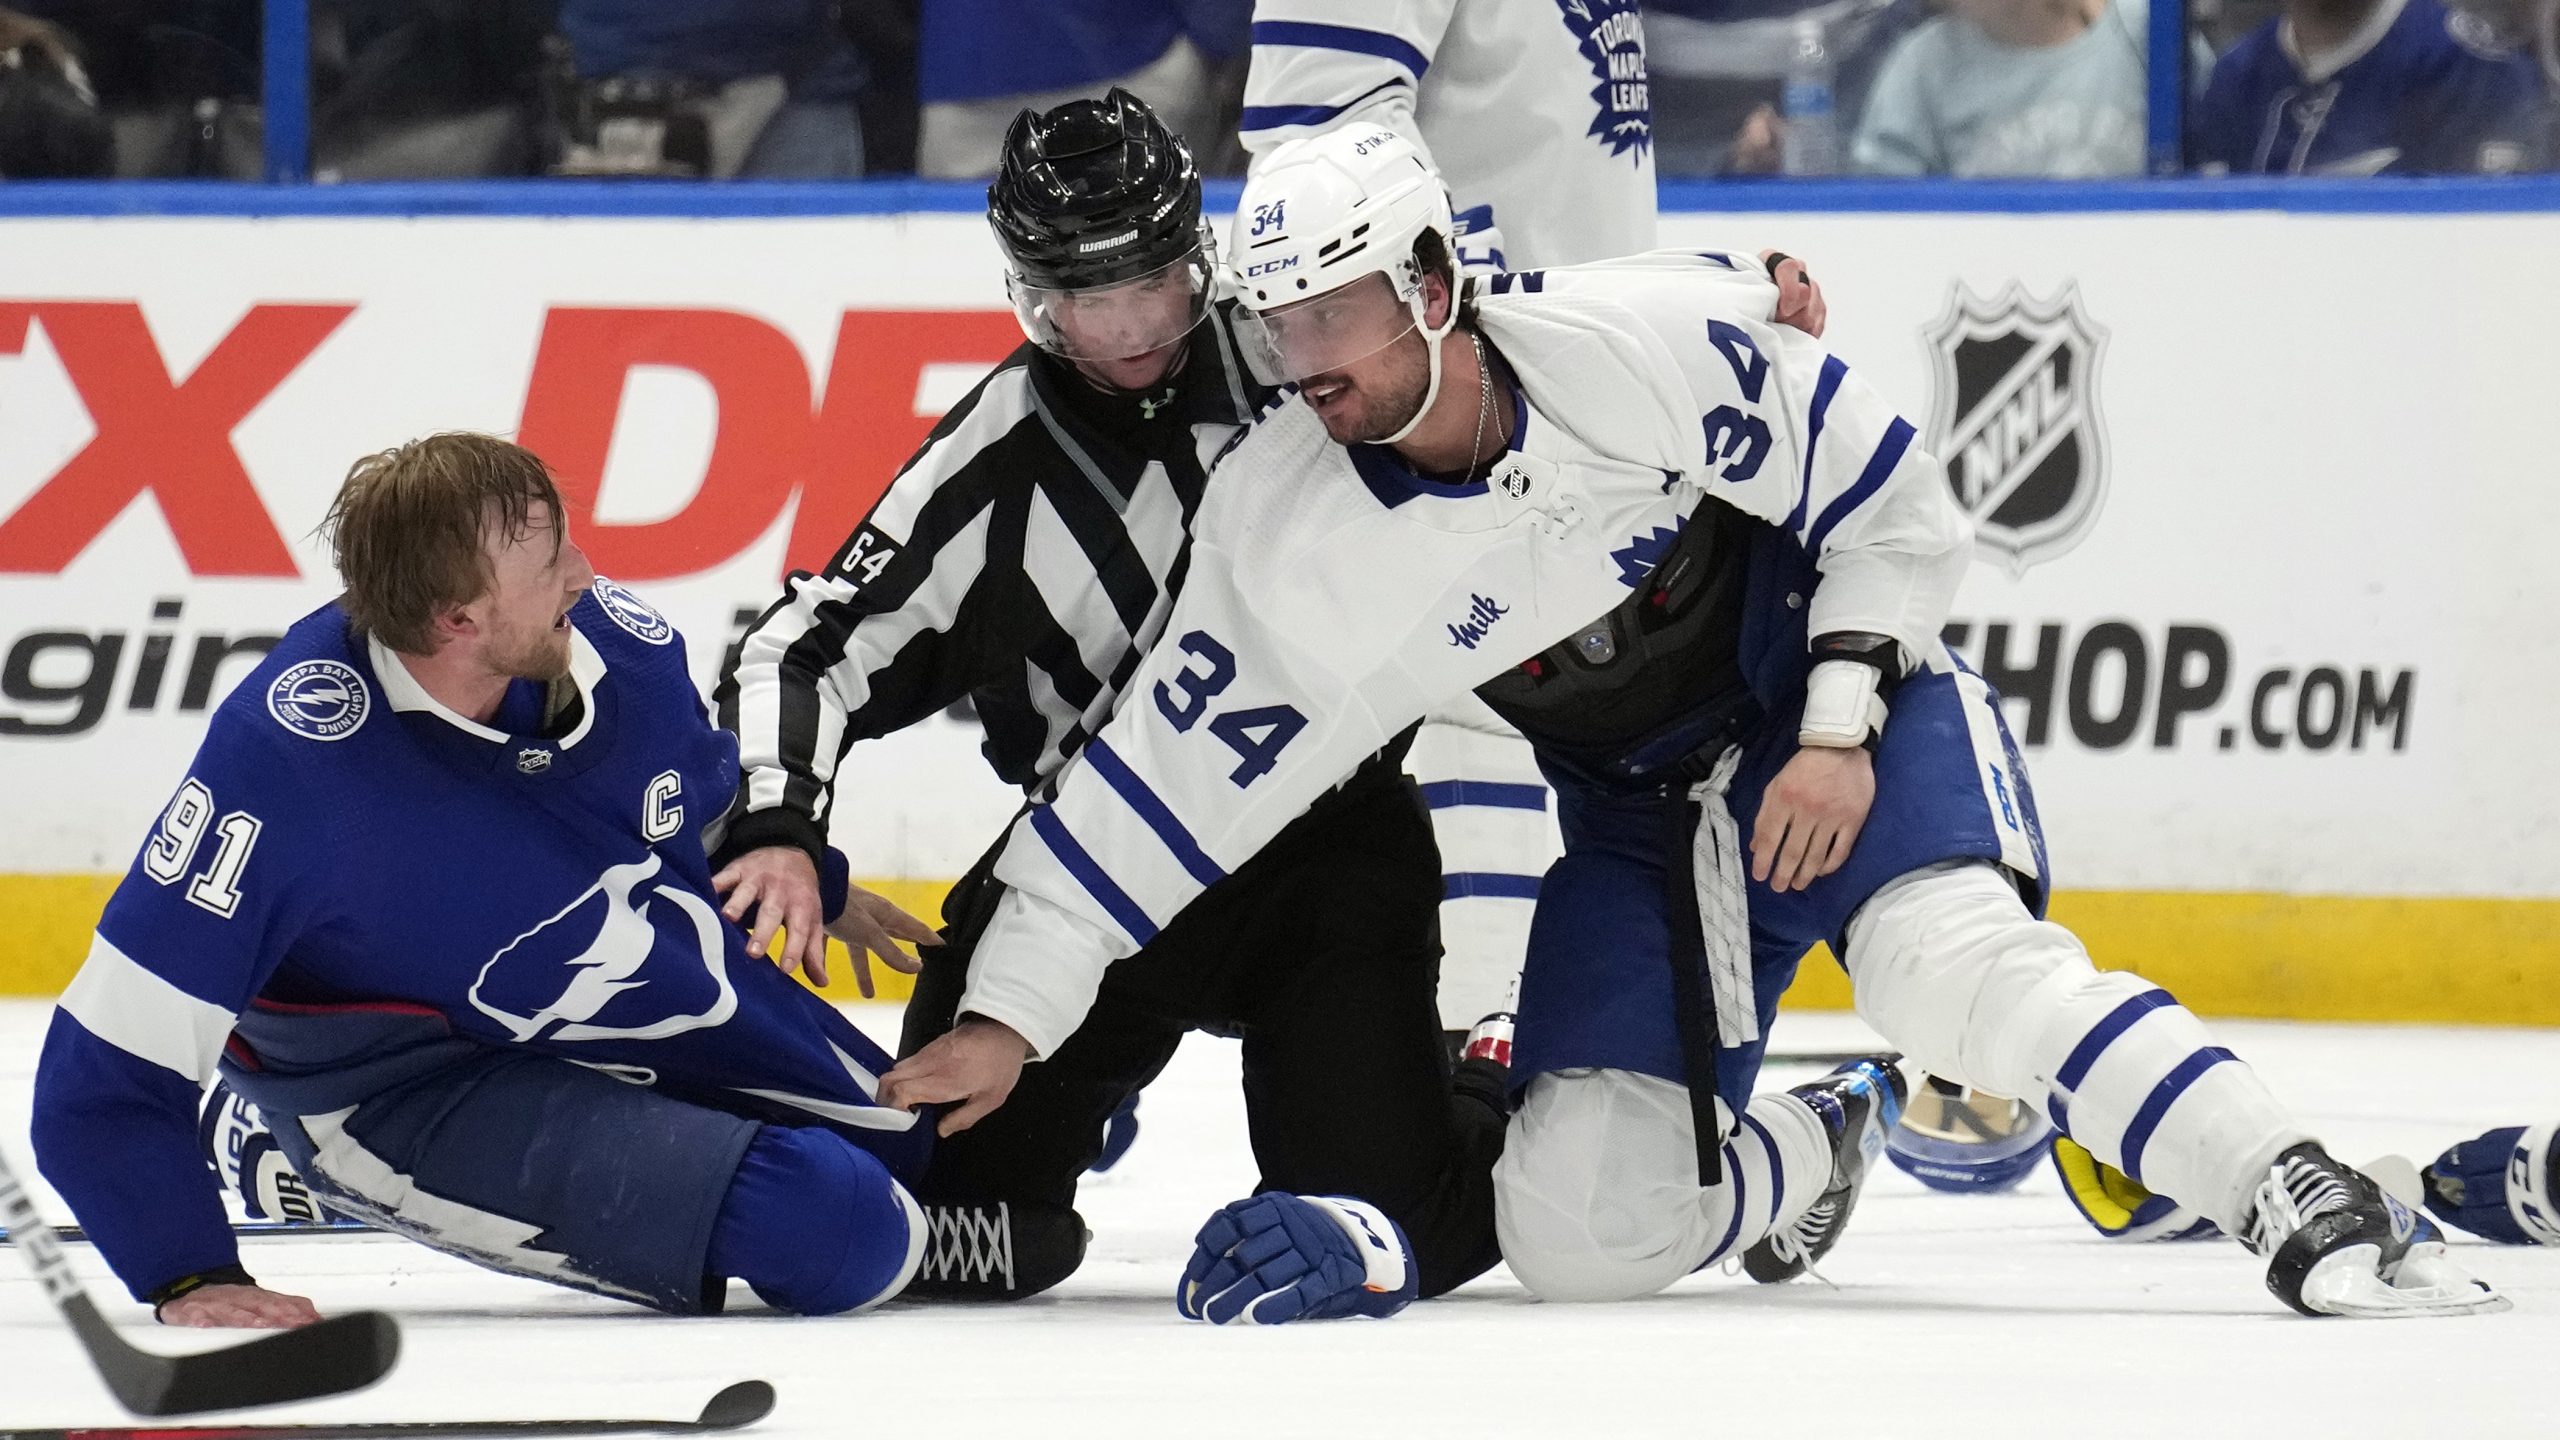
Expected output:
{"points": [[1857, 1103], [2336, 1244]]}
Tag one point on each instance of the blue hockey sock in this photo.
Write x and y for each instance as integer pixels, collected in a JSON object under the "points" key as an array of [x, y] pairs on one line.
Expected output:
{"points": [[814, 1224]]}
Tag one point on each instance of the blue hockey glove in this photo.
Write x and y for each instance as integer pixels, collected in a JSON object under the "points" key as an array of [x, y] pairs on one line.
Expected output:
{"points": [[2499, 1186], [1274, 1258]]}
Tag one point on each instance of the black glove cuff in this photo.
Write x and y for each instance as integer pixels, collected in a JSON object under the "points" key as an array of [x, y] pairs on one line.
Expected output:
{"points": [[186, 1285]]}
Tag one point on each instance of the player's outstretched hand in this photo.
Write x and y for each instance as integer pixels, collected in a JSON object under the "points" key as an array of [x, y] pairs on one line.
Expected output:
{"points": [[1276, 1257], [973, 1067], [873, 925], [239, 1307], [1800, 302], [1810, 816], [779, 884]]}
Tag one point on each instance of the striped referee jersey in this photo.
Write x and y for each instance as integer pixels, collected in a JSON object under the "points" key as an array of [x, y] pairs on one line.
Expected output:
{"points": [[1026, 557]]}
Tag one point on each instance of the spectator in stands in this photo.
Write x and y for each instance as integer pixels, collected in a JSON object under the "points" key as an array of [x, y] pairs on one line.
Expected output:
{"points": [[763, 88], [50, 126], [425, 89], [1718, 73], [2011, 87], [981, 62], [2370, 87], [177, 80]]}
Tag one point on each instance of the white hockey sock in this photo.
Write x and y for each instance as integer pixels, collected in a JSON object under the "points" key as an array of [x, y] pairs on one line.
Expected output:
{"points": [[1777, 1163], [1597, 1194], [1948, 965]]}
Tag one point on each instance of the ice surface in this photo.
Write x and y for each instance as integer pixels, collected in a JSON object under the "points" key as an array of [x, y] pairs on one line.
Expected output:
{"points": [[1973, 1316]]}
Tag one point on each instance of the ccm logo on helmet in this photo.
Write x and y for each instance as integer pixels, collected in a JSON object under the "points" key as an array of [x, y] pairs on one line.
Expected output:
{"points": [[1271, 267]]}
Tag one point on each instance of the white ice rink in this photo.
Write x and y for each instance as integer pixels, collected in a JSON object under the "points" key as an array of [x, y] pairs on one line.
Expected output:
{"points": [[1947, 1316]]}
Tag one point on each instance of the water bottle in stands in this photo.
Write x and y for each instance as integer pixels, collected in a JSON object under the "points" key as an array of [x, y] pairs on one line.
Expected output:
{"points": [[1811, 145]]}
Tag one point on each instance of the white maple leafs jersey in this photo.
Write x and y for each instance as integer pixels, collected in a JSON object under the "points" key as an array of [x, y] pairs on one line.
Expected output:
{"points": [[1535, 112], [1335, 598]]}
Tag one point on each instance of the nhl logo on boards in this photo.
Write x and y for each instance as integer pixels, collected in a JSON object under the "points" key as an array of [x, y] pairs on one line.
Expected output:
{"points": [[2013, 416], [632, 613], [320, 700]]}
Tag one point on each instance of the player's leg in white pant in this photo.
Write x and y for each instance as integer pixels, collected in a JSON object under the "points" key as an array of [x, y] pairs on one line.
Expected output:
{"points": [[1948, 965], [1494, 819], [1596, 1196]]}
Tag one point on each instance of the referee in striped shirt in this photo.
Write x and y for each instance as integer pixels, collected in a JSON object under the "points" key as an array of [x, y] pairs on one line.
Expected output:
{"points": [[1027, 556]]}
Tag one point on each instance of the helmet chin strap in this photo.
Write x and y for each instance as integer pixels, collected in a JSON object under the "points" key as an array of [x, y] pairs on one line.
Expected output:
{"points": [[1431, 339]]}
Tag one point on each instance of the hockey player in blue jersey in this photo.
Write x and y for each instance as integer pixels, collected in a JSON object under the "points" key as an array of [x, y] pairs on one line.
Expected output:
{"points": [[2370, 87], [1703, 566], [433, 896]]}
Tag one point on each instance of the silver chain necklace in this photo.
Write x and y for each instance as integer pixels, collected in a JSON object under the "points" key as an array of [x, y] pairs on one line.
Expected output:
{"points": [[1484, 405]]}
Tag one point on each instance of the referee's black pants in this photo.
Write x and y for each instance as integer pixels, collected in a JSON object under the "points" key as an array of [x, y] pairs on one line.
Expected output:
{"points": [[1322, 954]]}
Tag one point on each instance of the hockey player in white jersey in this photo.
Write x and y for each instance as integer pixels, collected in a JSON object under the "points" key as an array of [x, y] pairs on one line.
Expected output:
{"points": [[1759, 742], [1535, 114]]}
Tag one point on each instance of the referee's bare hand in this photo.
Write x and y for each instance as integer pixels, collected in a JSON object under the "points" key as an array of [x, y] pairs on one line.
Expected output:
{"points": [[974, 1067], [239, 1307], [779, 884], [873, 925], [1800, 301]]}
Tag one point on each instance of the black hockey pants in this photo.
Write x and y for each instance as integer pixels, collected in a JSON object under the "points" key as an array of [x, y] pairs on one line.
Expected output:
{"points": [[1322, 955]]}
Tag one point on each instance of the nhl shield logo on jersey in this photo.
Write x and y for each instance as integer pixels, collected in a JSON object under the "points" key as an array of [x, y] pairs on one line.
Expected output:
{"points": [[2013, 415], [1611, 33], [632, 613], [634, 957], [320, 700]]}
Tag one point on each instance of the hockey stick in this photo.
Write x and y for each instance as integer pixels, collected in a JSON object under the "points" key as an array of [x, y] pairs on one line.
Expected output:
{"points": [[246, 1229], [337, 1355], [740, 1405]]}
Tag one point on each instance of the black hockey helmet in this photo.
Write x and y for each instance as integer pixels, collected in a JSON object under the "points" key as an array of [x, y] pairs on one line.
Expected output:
{"points": [[1093, 193]]}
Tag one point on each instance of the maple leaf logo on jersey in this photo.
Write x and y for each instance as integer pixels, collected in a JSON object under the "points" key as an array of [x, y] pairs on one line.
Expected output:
{"points": [[1638, 556], [2014, 416], [1611, 33], [627, 960]]}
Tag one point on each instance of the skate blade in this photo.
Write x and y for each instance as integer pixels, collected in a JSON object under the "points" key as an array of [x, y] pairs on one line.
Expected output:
{"points": [[2344, 1284]]}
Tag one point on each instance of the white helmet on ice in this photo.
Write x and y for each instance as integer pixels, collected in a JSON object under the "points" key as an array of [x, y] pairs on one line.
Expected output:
{"points": [[1323, 214]]}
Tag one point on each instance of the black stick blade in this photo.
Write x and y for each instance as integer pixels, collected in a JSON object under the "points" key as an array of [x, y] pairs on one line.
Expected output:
{"points": [[740, 1405], [340, 1354]]}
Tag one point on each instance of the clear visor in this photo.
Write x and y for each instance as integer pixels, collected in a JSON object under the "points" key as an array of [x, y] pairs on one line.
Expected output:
{"points": [[1297, 342], [1116, 322]]}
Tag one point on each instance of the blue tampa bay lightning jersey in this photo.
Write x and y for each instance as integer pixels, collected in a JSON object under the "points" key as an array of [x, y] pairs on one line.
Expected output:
{"points": [[345, 851], [2417, 90]]}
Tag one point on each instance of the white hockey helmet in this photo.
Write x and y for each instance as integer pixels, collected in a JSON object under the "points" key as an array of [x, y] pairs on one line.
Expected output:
{"points": [[1322, 216]]}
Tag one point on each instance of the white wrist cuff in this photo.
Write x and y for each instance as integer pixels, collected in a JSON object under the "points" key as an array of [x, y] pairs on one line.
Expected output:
{"points": [[1841, 706], [1373, 1232]]}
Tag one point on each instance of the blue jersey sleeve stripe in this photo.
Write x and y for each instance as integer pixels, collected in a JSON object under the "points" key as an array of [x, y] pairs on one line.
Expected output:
{"points": [[1311, 36], [1275, 117], [2163, 1095], [1080, 864], [1152, 809], [1492, 794], [1897, 439], [1823, 389], [1487, 885]]}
